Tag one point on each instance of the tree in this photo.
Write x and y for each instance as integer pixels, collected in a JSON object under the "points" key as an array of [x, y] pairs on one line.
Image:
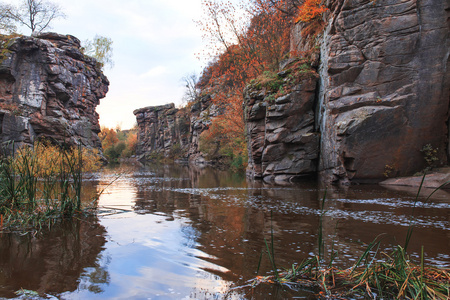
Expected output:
{"points": [[7, 23], [310, 10], [191, 92], [101, 49], [34, 14]]}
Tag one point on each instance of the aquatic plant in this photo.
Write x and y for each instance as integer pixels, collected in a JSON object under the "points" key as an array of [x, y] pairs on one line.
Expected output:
{"points": [[376, 274], [42, 184]]}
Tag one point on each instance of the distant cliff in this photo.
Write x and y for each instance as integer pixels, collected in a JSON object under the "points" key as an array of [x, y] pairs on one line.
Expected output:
{"points": [[48, 88]]}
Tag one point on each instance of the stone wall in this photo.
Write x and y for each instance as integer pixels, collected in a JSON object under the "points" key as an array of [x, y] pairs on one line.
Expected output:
{"points": [[383, 94], [48, 88]]}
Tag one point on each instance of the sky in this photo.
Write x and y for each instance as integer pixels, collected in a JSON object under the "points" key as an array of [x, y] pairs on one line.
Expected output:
{"points": [[155, 44]]}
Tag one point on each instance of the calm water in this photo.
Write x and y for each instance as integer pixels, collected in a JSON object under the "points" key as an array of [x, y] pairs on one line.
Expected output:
{"points": [[174, 232]]}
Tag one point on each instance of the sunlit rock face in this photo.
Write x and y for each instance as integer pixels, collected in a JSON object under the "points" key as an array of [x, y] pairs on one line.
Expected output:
{"points": [[384, 88], [48, 88]]}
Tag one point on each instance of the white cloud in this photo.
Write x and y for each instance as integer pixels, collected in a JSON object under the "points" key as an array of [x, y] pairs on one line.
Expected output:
{"points": [[154, 72]]}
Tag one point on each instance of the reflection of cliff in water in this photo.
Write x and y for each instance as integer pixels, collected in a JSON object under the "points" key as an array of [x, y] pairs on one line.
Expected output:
{"points": [[224, 226], [56, 261]]}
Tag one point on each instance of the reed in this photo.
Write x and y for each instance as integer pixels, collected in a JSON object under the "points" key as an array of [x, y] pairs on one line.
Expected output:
{"points": [[41, 185], [375, 275]]}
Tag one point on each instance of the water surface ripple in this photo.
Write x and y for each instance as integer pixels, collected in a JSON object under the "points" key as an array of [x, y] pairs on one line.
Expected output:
{"points": [[179, 232]]}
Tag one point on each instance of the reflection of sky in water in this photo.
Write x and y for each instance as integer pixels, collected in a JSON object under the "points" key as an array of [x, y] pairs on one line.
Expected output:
{"points": [[152, 254], [149, 256]]}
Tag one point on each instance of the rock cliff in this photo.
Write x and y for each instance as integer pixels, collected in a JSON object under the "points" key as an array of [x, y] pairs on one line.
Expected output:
{"points": [[163, 131], [48, 88], [372, 94], [282, 141], [384, 91], [383, 95]]}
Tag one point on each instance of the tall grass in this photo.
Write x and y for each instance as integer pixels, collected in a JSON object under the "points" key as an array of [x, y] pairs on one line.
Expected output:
{"points": [[42, 184], [375, 275]]}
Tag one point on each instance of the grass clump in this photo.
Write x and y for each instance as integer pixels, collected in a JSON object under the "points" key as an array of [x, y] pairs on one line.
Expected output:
{"points": [[40, 185], [376, 274]]}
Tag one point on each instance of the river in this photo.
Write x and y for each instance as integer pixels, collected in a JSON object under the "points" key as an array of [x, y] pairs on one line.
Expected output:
{"points": [[180, 232]]}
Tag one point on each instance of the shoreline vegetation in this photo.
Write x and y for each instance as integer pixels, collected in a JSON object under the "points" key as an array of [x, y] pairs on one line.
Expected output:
{"points": [[377, 274], [41, 185]]}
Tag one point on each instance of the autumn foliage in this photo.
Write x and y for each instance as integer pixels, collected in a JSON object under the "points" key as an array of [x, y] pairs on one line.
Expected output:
{"points": [[310, 10], [117, 143], [243, 42]]}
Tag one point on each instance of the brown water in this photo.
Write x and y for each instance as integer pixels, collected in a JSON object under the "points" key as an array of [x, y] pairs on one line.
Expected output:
{"points": [[174, 232]]}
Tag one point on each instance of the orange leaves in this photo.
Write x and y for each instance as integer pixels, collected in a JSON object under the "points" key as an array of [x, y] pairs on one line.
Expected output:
{"points": [[108, 136], [309, 10], [245, 40], [45, 160]]}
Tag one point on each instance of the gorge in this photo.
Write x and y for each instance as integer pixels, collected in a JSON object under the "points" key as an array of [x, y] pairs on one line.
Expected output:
{"points": [[377, 95]]}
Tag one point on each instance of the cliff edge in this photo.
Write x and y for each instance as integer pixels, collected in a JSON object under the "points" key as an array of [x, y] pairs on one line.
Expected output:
{"points": [[49, 88]]}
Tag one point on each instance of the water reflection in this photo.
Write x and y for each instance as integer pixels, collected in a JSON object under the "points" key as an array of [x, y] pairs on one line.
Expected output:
{"points": [[179, 232], [56, 261]]}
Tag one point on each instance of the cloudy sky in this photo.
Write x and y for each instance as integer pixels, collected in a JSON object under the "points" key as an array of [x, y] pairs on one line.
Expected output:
{"points": [[154, 45]]}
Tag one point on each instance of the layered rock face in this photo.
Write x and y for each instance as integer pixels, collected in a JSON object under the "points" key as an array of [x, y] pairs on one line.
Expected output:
{"points": [[283, 144], [48, 88], [162, 130], [174, 133], [384, 87]]}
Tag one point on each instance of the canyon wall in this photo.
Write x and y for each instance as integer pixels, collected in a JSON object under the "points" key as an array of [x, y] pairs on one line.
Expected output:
{"points": [[283, 144], [162, 131], [369, 96], [384, 91], [166, 131], [49, 89]]}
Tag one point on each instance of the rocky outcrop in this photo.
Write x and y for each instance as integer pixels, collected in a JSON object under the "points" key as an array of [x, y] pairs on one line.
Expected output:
{"points": [[163, 130], [378, 97], [384, 87], [282, 141], [169, 132], [48, 88]]}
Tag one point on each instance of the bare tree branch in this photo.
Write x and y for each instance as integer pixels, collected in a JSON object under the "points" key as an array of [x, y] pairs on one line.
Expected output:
{"points": [[34, 14]]}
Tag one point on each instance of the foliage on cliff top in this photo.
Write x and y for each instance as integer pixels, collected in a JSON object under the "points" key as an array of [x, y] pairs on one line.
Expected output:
{"points": [[5, 42], [282, 83], [101, 49], [310, 10]]}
